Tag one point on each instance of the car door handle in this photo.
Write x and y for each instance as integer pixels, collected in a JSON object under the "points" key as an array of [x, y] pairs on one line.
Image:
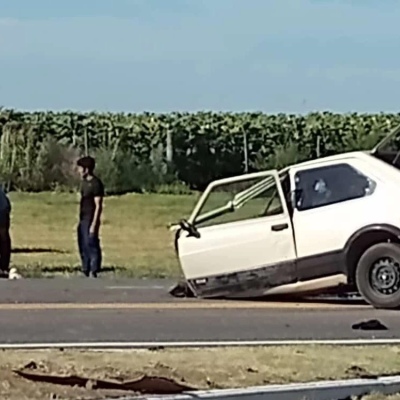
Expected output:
{"points": [[279, 227]]}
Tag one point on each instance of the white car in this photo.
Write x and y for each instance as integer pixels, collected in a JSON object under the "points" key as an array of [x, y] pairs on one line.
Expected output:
{"points": [[312, 227]]}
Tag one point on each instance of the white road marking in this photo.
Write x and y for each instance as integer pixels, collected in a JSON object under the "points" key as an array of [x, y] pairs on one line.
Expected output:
{"points": [[196, 344], [203, 305]]}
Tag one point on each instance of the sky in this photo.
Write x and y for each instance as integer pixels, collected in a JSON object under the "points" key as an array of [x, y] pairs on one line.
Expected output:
{"points": [[272, 56]]}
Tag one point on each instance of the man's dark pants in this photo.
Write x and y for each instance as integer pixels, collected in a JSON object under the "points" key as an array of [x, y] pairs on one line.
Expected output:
{"points": [[5, 242], [89, 249]]}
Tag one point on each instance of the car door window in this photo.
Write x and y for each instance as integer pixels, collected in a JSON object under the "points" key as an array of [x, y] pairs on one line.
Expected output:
{"points": [[263, 203], [328, 185]]}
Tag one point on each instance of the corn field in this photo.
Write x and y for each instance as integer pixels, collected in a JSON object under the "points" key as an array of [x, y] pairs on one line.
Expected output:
{"points": [[191, 148]]}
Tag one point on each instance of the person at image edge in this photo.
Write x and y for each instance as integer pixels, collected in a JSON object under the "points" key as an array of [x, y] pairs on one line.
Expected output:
{"points": [[5, 239], [90, 211]]}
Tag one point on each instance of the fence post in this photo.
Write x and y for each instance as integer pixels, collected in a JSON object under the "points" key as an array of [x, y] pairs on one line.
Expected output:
{"points": [[169, 148], [246, 152], [86, 140], [318, 146]]}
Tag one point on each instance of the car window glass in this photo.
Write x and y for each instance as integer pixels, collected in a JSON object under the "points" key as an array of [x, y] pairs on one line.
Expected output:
{"points": [[263, 204], [329, 185]]}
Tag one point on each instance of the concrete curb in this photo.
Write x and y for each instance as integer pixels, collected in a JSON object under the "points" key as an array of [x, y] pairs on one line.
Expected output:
{"points": [[324, 390]]}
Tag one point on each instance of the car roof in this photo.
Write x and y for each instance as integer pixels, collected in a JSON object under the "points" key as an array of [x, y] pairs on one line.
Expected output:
{"points": [[323, 160]]}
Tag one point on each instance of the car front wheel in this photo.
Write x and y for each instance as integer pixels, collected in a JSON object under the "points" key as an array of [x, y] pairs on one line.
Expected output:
{"points": [[378, 275]]}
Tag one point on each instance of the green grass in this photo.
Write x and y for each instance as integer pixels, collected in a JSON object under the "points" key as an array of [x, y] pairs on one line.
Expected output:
{"points": [[135, 237]]}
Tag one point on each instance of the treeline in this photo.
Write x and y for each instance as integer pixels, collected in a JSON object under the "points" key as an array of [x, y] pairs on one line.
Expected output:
{"points": [[171, 152]]}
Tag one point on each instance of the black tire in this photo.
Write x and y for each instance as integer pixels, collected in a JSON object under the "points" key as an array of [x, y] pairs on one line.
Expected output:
{"points": [[374, 290]]}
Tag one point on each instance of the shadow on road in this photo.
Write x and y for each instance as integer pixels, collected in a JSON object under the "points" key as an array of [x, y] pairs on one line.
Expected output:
{"points": [[334, 300], [33, 250], [181, 290]]}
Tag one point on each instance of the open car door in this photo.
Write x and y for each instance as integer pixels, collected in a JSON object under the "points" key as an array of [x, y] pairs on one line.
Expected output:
{"points": [[388, 149], [239, 239]]}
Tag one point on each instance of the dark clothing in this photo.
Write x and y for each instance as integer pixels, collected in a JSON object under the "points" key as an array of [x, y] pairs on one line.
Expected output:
{"points": [[5, 242], [89, 244], [89, 190], [5, 210], [5, 239], [89, 249]]}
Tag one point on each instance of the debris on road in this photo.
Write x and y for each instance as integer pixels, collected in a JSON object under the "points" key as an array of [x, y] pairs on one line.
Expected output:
{"points": [[181, 290], [370, 325]]}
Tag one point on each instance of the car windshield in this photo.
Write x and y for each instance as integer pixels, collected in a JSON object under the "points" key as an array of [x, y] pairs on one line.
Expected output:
{"points": [[388, 150]]}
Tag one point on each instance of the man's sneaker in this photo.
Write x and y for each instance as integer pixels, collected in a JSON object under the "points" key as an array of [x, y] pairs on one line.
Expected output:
{"points": [[13, 274]]}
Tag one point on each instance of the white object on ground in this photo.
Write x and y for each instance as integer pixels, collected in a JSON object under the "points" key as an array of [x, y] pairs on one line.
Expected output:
{"points": [[13, 274]]}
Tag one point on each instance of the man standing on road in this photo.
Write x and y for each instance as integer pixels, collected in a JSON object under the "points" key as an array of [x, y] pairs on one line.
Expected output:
{"points": [[5, 239], [91, 207]]}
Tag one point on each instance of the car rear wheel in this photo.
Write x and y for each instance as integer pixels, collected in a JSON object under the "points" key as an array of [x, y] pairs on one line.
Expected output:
{"points": [[378, 275]]}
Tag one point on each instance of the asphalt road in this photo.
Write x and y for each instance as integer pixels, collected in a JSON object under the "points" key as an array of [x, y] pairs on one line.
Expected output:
{"points": [[84, 290], [89, 310]]}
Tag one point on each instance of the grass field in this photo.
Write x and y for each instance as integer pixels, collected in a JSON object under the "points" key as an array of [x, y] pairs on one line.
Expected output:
{"points": [[135, 237], [198, 368]]}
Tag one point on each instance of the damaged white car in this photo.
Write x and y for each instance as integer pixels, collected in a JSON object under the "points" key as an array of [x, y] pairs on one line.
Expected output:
{"points": [[328, 224]]}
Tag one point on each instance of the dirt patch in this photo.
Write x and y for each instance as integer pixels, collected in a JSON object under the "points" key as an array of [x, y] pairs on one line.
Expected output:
{"points": [[380, 397], [199, 368]]}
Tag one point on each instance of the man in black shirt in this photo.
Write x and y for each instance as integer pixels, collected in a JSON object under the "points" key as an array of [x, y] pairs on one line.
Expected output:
{"points": [[91, 206]]}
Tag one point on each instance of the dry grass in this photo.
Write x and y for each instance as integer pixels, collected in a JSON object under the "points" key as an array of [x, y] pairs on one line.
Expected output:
{"points": [[135, 237], [209, 368]]}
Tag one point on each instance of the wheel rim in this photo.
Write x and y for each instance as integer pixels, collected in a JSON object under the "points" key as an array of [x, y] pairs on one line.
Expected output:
{"points": [[385, 276]]}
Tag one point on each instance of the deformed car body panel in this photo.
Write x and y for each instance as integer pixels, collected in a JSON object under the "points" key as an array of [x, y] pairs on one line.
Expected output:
{"points": [[233, 253], [293, 251]]}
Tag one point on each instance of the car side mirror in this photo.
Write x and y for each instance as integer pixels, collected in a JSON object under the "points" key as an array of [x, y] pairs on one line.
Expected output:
{"points": [[189, 228]]}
